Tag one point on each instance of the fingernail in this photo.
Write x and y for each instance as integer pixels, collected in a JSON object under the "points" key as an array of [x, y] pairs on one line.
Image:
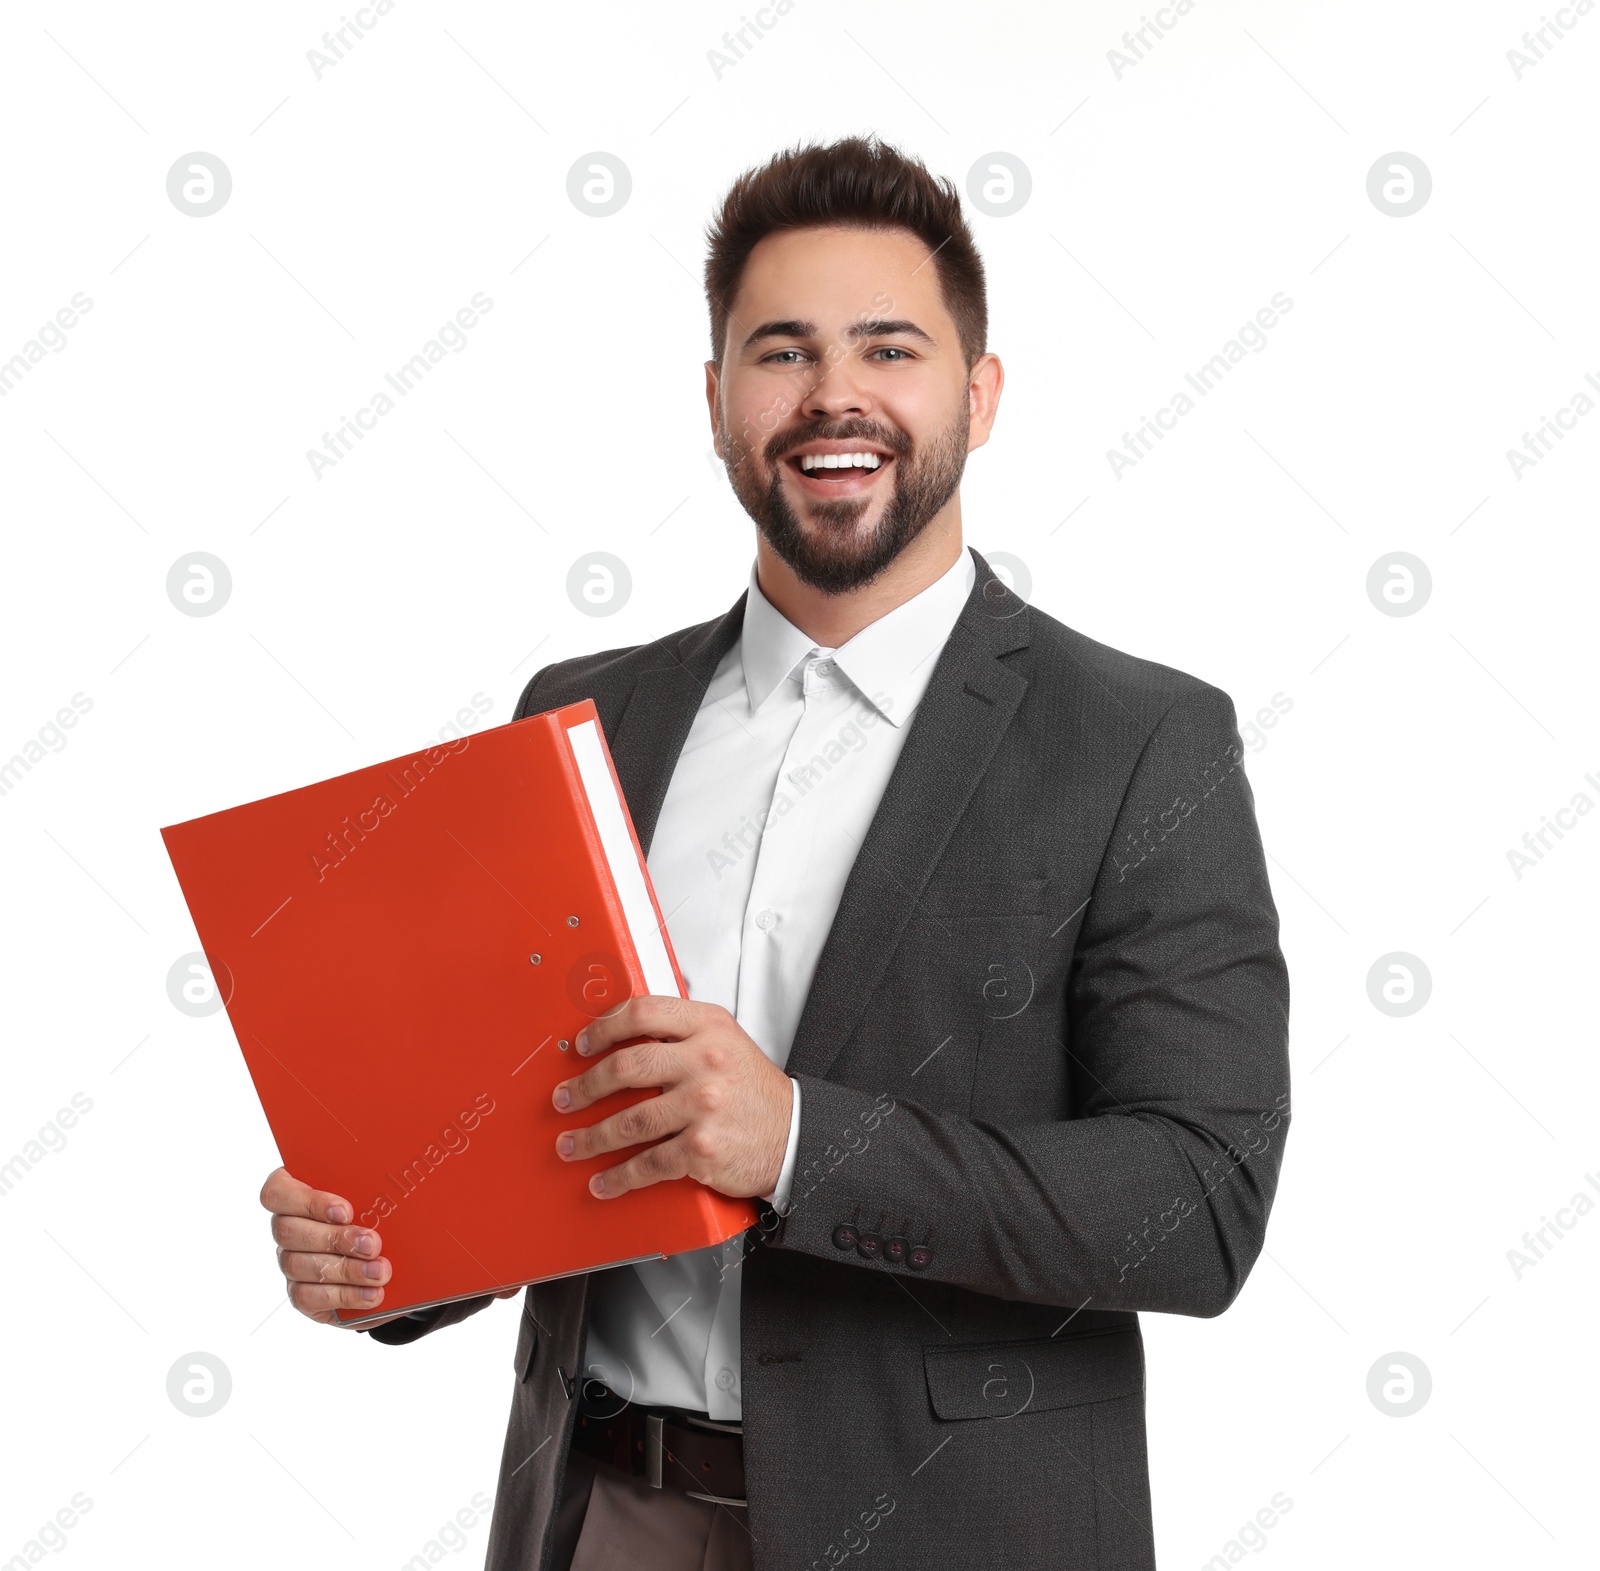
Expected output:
{"points": [[340, 1214], [563, 1097], [366, 1244], [565, 1144], [597, 1184], [583, 1040], [369, 1295], [373, 1268]]}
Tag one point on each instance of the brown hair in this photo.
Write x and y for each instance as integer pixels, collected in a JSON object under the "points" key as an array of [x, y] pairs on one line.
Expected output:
{"points": [[858, 183]]}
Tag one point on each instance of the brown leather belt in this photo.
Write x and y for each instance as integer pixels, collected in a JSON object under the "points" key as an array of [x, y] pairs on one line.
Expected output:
{"points": [[667, 1447]]}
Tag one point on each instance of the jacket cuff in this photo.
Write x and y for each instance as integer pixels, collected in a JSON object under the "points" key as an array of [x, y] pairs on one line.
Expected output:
{"points": [[419, 1322]]}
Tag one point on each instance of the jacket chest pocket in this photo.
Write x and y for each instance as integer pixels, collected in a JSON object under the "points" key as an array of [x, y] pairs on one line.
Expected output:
{"points": [[963, 899], [976, 943]]}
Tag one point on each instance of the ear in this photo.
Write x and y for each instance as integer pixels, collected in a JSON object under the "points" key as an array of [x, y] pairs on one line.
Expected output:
{"points": [[713, 403], [984, 383]]}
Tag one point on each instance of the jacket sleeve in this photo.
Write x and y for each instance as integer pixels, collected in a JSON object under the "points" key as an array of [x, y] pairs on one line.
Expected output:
{"points": [[409, 1327], [1154, 1195]]}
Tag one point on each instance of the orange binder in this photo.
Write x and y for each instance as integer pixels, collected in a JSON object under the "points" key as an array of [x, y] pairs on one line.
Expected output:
{"points": [[406, 953]]}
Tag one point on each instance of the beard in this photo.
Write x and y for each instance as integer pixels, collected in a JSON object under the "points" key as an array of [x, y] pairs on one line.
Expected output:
{"points": [[836, 557]]}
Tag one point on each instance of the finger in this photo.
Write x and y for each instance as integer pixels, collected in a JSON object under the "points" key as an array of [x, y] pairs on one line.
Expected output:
{"points": [[667, 1160], [296, 1232], [646, 1121], [644, 1064], [320, 1299], [650, 1014], [510, 1292], [334, 1268], [287, 1196]]}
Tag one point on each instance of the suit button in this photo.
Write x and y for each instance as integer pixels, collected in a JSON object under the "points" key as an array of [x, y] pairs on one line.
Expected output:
{"points": [[844, 1236], [894, 1250], [920, 1257], [870, 1245]]}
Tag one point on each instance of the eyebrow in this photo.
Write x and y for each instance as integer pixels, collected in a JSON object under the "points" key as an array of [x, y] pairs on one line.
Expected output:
{"points": [[877, 327]]}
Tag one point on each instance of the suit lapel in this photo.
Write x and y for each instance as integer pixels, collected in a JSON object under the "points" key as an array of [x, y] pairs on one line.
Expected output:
{"points": [[954, 733], [659, 714]]}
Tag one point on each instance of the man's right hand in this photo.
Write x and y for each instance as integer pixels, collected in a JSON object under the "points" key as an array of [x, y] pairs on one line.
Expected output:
{"points": [[329, 1262]]}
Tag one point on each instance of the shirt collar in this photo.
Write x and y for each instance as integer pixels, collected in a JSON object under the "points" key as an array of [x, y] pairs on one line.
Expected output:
{"points": [[890, 661]]}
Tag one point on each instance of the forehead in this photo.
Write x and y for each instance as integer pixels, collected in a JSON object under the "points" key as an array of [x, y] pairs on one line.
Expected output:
{"points": [[833, 276]]}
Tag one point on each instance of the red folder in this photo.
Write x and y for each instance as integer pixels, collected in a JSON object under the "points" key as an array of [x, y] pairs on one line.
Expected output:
{"points": [[406, 953]]}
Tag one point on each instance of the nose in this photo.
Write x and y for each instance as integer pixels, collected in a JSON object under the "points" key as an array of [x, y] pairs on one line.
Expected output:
{"points": [[838, 391]]}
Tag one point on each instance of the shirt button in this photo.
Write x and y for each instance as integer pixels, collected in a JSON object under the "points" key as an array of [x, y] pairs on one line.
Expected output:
{"points": [[824, 668], [725, 1379], [765, 920]]}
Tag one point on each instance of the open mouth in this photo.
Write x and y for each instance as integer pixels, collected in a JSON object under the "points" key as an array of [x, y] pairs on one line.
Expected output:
{"points": [[838, 474]]}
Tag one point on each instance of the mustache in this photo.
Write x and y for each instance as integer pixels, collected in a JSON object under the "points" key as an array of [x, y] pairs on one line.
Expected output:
{"points": [[897, 442]]}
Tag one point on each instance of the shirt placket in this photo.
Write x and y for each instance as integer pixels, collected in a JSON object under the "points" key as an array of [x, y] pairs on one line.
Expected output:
{"points": [[777, 879]]}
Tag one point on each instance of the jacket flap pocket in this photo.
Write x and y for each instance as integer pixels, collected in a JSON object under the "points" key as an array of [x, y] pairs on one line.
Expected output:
{"points": [[1003, 1379]]}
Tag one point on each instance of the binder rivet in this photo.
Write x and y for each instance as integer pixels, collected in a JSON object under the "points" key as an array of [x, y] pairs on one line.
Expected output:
{"points": [[572, 921], [534, 960], [563, 1045]]}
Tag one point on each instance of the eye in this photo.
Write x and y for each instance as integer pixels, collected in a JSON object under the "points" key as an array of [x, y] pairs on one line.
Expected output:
{"points": [[777, 356], [892, 349]]}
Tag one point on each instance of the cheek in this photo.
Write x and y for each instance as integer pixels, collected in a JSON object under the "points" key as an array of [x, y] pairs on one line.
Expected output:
{"points": [[757, 407]]}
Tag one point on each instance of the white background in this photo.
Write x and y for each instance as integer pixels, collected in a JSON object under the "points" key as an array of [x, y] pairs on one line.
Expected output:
{"points": [[370, 605]]}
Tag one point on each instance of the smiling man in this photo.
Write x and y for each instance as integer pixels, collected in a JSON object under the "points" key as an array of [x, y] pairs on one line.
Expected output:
{"points": [[987, 1005]]}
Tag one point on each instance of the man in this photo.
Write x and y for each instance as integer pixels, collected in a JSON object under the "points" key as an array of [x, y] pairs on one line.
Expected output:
{"points": [[987, 1004]]}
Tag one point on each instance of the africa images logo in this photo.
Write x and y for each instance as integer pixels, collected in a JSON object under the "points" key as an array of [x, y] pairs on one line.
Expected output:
{"points": [[342, 841]]}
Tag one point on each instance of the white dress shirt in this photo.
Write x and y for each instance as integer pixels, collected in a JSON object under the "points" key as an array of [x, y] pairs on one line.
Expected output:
{"points": [[785, 764]]}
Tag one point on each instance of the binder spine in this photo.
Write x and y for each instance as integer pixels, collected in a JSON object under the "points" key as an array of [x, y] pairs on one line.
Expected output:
{"points": [[605, 879], [638, 852]]}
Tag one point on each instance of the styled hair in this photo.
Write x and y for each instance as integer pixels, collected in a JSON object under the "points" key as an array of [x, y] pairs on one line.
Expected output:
{"points": [[856, 183]]}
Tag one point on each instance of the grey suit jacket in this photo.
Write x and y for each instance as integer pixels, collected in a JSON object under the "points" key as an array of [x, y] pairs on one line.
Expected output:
{"points": [[1045, 1086]]}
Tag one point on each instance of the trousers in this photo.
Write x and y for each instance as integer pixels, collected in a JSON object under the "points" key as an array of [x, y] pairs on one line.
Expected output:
{"points": [[609, 1520]]}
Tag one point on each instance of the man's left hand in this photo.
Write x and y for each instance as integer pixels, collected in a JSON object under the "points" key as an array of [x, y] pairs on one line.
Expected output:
{"points": [[723, 1113]]}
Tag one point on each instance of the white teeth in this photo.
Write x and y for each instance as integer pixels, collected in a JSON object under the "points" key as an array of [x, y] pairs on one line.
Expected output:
{"points": [[810, 461]]}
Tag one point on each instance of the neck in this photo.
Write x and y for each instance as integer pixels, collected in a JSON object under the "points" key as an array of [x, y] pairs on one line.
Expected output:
{"points": [[832, 620]]}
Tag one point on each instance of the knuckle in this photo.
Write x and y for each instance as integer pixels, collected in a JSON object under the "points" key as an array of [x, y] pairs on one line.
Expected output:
{"points": [[702, 1145]]}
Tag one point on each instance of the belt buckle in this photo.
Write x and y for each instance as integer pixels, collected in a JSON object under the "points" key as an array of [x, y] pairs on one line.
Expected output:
{"points": [[654, 1448], [655, 1458]]}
